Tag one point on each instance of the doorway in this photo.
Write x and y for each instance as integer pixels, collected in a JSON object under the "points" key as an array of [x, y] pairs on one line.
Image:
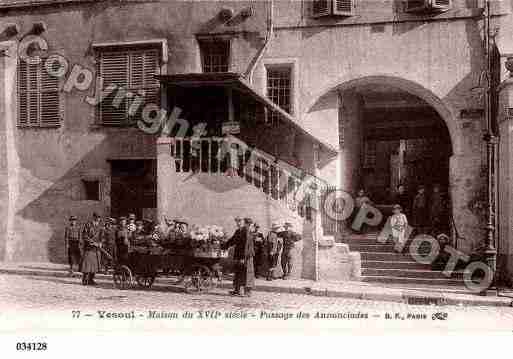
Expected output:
{"points": [[134, 188]]}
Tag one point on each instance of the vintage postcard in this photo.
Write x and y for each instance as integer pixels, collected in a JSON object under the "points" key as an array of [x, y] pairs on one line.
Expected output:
{"points": [[316, 165]]}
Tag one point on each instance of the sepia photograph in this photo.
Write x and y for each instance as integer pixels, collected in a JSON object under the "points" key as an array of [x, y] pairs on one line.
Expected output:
{"points": [[255, 166]]}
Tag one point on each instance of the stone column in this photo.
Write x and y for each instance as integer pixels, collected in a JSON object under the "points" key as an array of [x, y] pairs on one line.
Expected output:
{"points": [[9, 161], [166, 176], [351, 138], [505, 238]]}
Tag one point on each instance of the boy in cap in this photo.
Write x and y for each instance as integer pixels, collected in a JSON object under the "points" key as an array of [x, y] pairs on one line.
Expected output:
{"points": [[72, 244]]}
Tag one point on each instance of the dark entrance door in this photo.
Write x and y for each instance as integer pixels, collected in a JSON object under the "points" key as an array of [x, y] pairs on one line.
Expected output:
{"points": [[133, 188]]}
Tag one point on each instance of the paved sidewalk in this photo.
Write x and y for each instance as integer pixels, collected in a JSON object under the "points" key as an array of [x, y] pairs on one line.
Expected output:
{"points": [[452, 295]]}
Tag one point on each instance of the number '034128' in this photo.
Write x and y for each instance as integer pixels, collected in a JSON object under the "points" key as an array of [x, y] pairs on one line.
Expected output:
{"points": [[31, 346]]}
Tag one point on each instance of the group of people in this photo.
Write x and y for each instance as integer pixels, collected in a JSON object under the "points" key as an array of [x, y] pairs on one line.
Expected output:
{"points": [[99, 243], [427, 213], [257, 255], [115, 237]]}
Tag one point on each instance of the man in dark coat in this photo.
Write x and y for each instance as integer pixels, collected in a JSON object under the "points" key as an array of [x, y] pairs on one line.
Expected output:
{"points": [[108, 236], [91, 241], [258, 243], [72, 243], [420, 209], [271, 251], [243, 253], [289, 240], [436, 210]]}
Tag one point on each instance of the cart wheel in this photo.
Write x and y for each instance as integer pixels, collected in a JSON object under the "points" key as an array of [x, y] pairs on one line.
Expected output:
{"points": [[200, 279], [145, 281], [122, 277]]}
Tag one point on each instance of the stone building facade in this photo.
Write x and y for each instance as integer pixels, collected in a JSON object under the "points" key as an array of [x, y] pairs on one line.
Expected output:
{"points": [[373, 94]]}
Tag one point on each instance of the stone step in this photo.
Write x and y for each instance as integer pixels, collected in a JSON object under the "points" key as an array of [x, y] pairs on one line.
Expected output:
{"points": [[386, 256], [395, 264], [411, 280], [371, 247], [410, 273]]}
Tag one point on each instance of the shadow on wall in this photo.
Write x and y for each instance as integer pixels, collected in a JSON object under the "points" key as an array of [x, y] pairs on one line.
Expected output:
{"points": [[46, 200], [39, 225]]}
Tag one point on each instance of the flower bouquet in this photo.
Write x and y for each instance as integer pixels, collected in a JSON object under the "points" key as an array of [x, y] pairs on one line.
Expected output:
{"points": [[207, 241]]}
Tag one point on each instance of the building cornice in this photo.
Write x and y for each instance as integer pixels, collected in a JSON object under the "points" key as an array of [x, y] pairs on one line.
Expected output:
{"points": [[20, 4]]}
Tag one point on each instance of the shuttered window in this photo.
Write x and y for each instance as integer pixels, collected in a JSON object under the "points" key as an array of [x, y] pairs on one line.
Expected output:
{"points": [[132, 71], [38, 96]]}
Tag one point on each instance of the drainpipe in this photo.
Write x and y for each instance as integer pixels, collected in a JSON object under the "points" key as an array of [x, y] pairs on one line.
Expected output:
{"points": [[270, 31]]}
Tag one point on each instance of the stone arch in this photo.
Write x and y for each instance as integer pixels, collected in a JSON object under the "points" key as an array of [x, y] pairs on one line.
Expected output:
{"points": [[444, 110]]}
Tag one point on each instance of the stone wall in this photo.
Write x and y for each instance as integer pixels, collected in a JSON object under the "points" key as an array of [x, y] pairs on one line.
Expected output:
{"points": [[42, 168]]}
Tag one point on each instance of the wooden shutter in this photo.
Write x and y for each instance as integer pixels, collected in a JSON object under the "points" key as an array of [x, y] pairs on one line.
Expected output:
{"points": [[144, 64], [114, 71], [133, 71], [321, 7], [38, 96], [343, 7], [49, 97], [23, 96]]}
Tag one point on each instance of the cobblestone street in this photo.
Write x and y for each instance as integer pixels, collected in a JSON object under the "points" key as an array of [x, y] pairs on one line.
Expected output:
{"points": [[33, 301]]}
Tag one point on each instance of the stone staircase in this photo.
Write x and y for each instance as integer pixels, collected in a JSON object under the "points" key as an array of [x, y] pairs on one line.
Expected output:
{"points": [[381, 264]]}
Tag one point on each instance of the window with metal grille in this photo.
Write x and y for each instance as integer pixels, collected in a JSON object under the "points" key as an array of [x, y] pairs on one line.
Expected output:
{"points": [[215, 55], [38, 96], [279, 88], [132, 72]]}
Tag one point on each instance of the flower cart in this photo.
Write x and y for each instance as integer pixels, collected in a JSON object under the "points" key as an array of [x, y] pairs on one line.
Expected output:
{"points": [[189, 258]]}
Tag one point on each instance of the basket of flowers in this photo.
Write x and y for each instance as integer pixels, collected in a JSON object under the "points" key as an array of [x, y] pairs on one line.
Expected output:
{"points": [[207, 241]]}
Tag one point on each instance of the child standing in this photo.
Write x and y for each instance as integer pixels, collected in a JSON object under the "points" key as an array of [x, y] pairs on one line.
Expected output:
{"points": [[398, 224]]}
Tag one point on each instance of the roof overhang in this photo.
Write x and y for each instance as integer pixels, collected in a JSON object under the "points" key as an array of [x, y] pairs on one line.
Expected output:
{"points": [[237, 82]]}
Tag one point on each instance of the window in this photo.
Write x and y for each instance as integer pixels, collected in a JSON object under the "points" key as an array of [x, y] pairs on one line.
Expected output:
{"points": [[38, 96], [91, 190], [132, 71], [279, 87], [215, 55], [321, 8]]}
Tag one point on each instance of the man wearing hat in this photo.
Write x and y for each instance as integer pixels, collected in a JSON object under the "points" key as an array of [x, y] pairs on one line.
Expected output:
{"points": [[271, 251], [91, 241], [108, 237], [419, 209], [289, 241], [72, 243], [243, 255]]}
